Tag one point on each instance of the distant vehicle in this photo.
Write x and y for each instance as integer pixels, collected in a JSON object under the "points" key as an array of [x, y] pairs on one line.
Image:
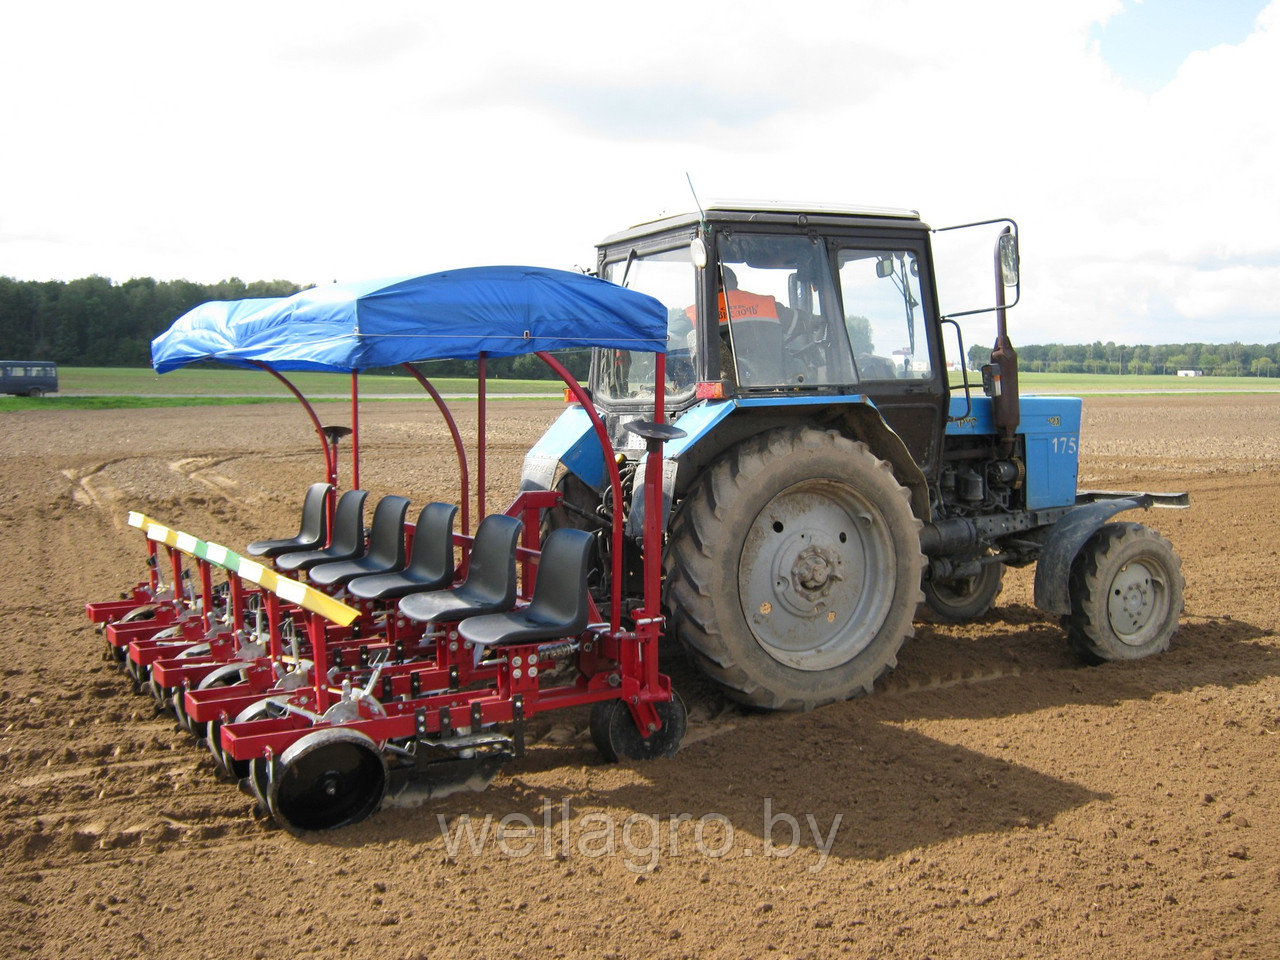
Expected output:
{"points": [[28, 378]]}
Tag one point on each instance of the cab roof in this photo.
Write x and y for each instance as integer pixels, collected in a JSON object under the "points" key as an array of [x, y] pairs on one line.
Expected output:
{"points": [[791, 213]]}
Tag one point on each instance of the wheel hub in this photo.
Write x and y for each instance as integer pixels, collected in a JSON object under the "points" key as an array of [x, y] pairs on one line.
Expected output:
{"points": [[1132, 602], [814, 570], [816, 575]]}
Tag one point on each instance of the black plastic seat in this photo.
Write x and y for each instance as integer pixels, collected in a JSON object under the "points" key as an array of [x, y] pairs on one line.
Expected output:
{"points": [[348, 536], [560, 606], [490, 586], [311, 535], [430, 565], [386, 547]]}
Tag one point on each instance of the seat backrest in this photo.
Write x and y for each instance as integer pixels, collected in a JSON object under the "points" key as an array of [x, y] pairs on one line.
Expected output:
{"points": [[560, 594], [433, 543], [348, 523], [386, 539], [491, 570], [315, 518]]}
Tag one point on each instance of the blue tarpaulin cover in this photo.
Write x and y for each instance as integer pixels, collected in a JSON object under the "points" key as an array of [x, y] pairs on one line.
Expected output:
{"points": [[202, 332], [455, 314]]}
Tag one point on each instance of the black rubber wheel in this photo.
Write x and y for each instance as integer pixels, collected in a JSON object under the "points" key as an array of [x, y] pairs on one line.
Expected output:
{"points": [[35, 392], [137, 673], [161, 695], [225, 676], [1126, 594], [254, 773], [962, 599], [793, 569], [137, 614], [259, 782], [328, 779], [614, 732], [179, 704]]}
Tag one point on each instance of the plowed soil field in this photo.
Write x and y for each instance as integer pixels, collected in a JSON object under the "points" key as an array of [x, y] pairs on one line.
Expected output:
{"points": [[993, 798]]}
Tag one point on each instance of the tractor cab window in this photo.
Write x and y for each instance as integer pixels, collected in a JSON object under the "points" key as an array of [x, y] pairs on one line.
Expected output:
{"points": [[670, 277], [883, 314], [776, 305]]}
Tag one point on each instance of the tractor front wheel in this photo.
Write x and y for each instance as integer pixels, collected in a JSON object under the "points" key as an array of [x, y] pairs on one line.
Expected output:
{"points": [[1126, 594], [965, 598], [794, 568]]}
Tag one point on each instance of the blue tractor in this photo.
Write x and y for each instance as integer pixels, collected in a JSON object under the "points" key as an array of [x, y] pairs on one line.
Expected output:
{"points": [[826, 482]]}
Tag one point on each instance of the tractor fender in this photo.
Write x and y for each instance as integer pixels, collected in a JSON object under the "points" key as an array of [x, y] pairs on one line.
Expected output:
{"points": [[570, 443], [1068, 535], [713, 427]]}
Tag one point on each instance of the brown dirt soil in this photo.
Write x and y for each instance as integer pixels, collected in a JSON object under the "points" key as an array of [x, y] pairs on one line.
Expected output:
{"points": [[995, 797]]}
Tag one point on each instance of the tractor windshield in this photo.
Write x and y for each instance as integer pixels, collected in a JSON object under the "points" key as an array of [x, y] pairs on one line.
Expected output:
{"points": [[670, 277], [778, 329]]}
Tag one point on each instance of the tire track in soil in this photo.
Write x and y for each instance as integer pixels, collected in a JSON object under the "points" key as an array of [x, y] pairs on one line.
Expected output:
{"points": [[91, 489], [200, 470]]}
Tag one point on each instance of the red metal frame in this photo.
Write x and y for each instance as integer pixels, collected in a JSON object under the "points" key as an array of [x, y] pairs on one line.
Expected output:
{"points": [[615, 663], [433, 674]]}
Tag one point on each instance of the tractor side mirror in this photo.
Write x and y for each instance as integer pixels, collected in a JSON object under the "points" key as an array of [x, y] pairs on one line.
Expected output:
{"points": [[884, 267], [1009, 259]]}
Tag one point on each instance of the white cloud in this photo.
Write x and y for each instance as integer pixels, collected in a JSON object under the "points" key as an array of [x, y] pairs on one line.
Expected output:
{"points": [[316, 141]]}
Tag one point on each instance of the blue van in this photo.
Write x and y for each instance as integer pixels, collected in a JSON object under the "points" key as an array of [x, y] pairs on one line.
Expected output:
{"points": [[28, 378]]}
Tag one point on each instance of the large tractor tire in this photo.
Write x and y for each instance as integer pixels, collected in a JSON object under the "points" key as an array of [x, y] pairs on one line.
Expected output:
{"points": [[1126, 594], [793, 569]]}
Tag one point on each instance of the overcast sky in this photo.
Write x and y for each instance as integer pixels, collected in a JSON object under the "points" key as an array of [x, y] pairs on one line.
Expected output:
{"points": [[1137, 145]]}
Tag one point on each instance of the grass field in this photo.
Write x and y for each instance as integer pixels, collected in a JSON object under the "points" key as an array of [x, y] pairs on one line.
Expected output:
{"points": [[1099, 383], [86, 388], [228, 382]]}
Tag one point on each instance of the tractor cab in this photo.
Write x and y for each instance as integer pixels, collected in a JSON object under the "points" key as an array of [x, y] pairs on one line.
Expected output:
{"points": [[777, 303]]}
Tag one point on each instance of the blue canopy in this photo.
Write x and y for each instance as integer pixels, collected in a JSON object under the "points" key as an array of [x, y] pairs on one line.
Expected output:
{"points": [[202, 332], [456, 314]]}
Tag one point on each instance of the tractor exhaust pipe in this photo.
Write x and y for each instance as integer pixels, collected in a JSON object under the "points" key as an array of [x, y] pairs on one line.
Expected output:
{"points": [[1000, 375]]}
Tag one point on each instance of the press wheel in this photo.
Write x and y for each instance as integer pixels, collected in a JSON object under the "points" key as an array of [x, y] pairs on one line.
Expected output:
{"points": [[328, 779]]}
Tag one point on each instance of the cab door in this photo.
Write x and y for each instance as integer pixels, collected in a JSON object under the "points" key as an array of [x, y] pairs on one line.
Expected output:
{"points": [[891, 320]]}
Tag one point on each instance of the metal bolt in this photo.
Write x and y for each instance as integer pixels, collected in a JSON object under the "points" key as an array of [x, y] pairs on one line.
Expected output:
{"points": [[516, 673], [516, 661], [533, 672]]}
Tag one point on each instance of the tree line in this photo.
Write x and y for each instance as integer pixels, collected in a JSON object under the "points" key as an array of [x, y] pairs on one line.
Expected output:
{"points": [[1212, 359], [93, 322]]}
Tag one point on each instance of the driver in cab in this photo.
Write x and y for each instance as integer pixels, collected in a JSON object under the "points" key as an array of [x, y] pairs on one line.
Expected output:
{"points": [[751, 315], [741, 303]]}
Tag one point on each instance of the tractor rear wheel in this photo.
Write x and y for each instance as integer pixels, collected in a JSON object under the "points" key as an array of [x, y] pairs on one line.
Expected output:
{"points": [[965, 598], [794, 568], [1126, 594]]}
